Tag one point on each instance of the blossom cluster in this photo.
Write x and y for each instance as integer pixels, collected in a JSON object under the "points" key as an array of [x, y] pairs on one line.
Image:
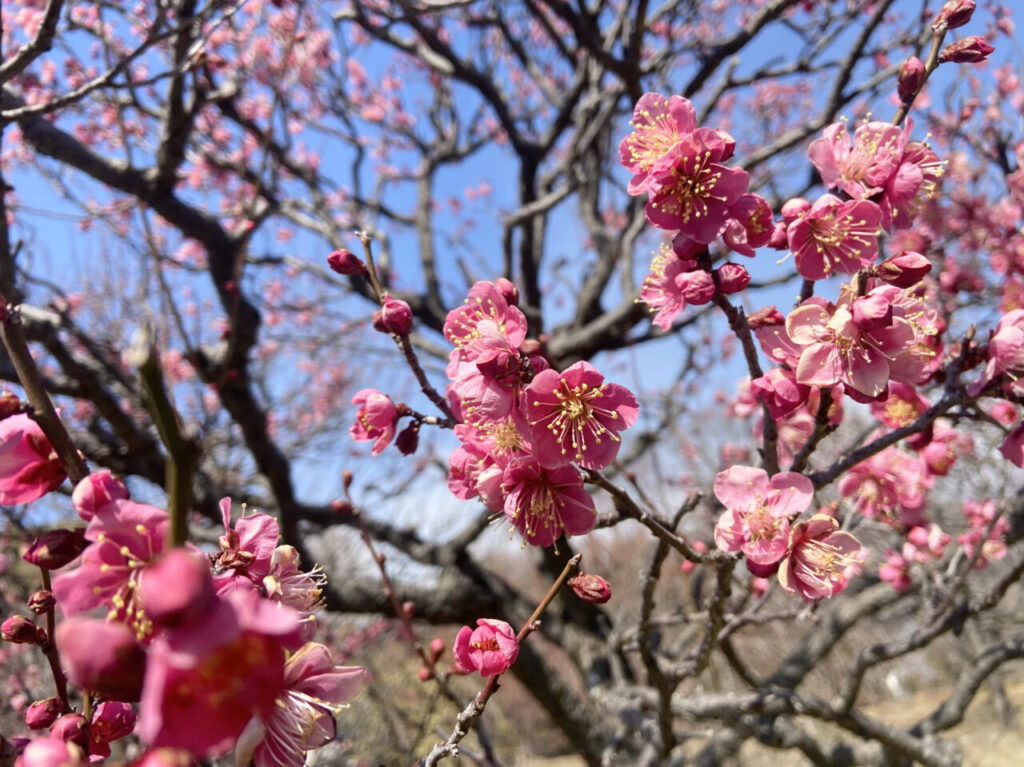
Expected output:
{"points": [[195, 653], [524, 428]]}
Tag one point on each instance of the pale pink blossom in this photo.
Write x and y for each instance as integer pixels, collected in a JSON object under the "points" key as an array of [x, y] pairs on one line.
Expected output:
{"points": [[51, 752], [980, 516], [758, 510], [302, 718], [490, 648], [820, 560]]}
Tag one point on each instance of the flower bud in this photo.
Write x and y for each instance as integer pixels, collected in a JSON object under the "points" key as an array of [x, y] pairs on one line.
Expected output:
{"points": [[41, 601], [395, 317], [9, 404], [20, 630], [96, 491], [408, 439], [905, 270], [591, 588], [779, 239], [436, 649], [910, 79], [425, 674], [955, 13], [102, 657], [43, 713], [732, 278], [55, 548], [697, 287], [71, 728], [346, 262], [970, 50], [508, 291]]}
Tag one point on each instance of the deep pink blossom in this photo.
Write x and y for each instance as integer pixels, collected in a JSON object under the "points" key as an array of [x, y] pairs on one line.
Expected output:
{"points": [[750, 225], [375, 419], [861, 167], [691, 191], [207, 679], [112, 720], [246, 549], [576, 416], [834, 236], [490, 648], [758, 511], [302, 718], [1005, 354], [658, 124], [486, 301], [780, 391], [820, 559], [96, 490], [126, 536], [29, 467], [102, 656], [543, 503]]}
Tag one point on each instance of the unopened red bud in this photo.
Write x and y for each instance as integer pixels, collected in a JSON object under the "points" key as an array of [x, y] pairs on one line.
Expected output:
{"points": [[436, 649], [910, 80], [779, 239], [765, 317], [905, 270], [425, 674], [970, 50], [41, 601], [395, 316], [55, 548], [71, 728], [20, 630], [408, 609], [9, 404], [591, 588], [508, 291], [408, 439], [342, 506], [732, 278], [955, 13], [697, 287], [43, 713], [346, 262]]}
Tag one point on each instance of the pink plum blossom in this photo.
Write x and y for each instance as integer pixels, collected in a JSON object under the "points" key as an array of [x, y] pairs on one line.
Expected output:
{"points": [[987, 531], [246, 549], [658, 124], [691, 192], [820, 559], [891, 484], [834, 236], [96, 490], [302, 718], [206, 679], [490, 648], [126, 536], [375, 419], [750, 225], [29, 467], [661, 290], [758, 511], [543, 503], [576, 416], [486, 301], [1005, 354], [102, 656], [51, 752]]}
